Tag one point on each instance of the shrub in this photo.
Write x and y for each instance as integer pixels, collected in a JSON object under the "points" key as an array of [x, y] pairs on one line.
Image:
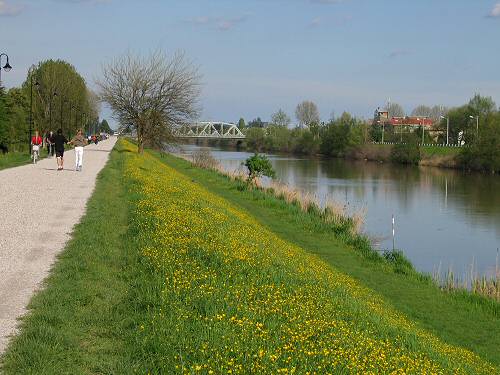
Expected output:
{"points": [[203, 158], [484, 153], [407, 152], [258, 166]]}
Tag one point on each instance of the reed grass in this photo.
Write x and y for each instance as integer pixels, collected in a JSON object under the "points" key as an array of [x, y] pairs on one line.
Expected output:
{"points": [[471, 281]]}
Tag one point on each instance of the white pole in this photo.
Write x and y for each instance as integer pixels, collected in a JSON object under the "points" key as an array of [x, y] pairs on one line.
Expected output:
{"points": [[447, 130], [393, 233]]}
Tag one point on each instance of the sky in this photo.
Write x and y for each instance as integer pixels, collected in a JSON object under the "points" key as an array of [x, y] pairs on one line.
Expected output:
{"points": [[258, 56]]}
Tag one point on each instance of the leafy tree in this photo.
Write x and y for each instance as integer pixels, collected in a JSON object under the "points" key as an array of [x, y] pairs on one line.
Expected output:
{"points": [[104, 127], [484, 152], [277, 138], [342, 135], [307, 113], [241, 124], [407, 152], [258, 166], [57, 82], [481, 105], [304, 142], [256, 123], [4, 123], [280, 118], [255, 138], [460, 124]]}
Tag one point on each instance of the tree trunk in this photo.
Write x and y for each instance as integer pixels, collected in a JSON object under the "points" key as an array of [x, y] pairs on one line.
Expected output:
{"points": [[140, 140]]}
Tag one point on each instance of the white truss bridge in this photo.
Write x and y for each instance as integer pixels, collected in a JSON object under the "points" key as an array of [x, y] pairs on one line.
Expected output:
{"points": [[210, 129]]}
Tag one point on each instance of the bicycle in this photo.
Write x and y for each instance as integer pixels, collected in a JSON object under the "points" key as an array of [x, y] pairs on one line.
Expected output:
{"points": [[36, 153]]}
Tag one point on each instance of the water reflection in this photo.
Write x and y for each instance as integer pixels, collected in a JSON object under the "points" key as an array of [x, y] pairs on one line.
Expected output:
{"points": [[445, 217]]}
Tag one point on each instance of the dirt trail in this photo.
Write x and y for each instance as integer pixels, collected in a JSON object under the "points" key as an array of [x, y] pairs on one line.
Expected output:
{"points": [[38, 208]]}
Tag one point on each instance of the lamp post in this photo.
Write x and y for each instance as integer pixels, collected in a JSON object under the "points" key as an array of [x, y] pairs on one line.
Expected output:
{"points": [[6, 67], [447, 118], [477, 124], [423, 123], [30, 73]]}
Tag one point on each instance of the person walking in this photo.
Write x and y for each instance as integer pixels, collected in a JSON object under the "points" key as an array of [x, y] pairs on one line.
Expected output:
{"points": [[78, 141], [49, 141], [59, 141]]}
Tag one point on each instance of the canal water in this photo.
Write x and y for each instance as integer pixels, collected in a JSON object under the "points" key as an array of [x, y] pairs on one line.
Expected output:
{"points": [[444, 219]]}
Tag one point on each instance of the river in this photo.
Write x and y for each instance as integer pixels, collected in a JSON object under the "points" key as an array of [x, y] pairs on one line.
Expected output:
{"points": [[444, 219]]}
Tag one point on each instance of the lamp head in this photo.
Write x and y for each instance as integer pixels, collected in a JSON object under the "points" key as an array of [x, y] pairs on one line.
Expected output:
{"points": [[7, 66]]}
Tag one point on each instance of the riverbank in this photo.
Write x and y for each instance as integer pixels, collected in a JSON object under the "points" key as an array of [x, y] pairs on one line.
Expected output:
{"points": [[194, 274], [445, 314]]}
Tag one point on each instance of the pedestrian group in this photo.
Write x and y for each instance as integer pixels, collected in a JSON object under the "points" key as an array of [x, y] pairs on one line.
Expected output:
{"points": [[55, 144]]}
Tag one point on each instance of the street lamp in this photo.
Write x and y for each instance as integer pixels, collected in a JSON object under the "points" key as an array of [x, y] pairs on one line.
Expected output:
{"points": [[423, 123], [6, 67], [447, 118], [477, 124], [30, 73]]}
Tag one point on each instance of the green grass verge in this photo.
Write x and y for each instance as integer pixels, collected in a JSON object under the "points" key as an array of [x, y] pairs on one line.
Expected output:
{"points": [[98, 312], [84, 319], [15, 159], [430, 151], [457, 318]]}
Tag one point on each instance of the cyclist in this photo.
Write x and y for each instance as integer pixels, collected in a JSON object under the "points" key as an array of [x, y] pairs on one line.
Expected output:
{"points": [[36, 142]]}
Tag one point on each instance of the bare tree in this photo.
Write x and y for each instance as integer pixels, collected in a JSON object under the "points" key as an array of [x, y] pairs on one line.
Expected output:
{"points": [[280, 118], [437, 111], [395, 110], [307, 113], [422, 110], [151, 95]]}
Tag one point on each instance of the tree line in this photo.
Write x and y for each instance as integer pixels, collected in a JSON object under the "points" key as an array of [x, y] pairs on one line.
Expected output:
{"points": [[475, 124], [54, 95]]}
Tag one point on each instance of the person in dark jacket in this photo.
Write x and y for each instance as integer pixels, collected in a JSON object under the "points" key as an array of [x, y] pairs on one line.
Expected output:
{"points": [[59, 141]]}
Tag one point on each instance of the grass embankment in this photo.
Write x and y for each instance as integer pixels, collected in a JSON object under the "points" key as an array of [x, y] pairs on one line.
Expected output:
{"points": [[457, 317], [185, 281], [436, 156], [14, 159]]}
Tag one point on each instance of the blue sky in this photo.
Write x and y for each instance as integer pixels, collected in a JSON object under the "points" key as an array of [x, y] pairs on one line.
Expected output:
{"points": [[257, 56]]}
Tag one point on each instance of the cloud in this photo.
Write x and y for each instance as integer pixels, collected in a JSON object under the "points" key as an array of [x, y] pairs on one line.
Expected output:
{"points": [[7, 9], [315, 22], [495, 12], [398, 53], [330, 21], [219, 23]]}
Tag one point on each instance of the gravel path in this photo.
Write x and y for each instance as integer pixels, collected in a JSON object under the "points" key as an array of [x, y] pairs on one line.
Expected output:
{"points": [[39, 207]]}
